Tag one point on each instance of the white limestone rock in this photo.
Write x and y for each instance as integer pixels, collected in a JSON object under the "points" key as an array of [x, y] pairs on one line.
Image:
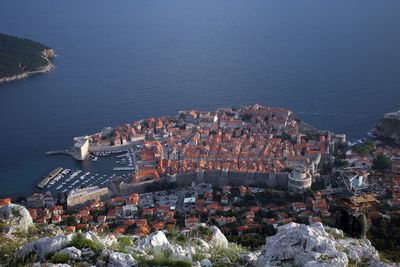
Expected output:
{"points": [[17, 217], [118, 259], [248, 258], [152, 241], [218, 239], [205, 263], [312, 246], [72, 252], [109, 240], [105, 241], [42, 247]]}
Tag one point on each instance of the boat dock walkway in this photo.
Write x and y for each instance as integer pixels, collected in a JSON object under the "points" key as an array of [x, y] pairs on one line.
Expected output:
{"points": [[68, 152]]}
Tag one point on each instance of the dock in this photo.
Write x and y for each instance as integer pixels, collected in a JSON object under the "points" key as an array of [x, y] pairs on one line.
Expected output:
{"points": [[69, 152], [49, 177], [124, 168]]}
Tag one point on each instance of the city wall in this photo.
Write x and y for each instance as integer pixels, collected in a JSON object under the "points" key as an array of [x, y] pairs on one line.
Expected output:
{"points": [[216, 178]]}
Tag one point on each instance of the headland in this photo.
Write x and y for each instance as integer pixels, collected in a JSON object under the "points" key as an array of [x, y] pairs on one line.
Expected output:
{"points": [[21, 58]]}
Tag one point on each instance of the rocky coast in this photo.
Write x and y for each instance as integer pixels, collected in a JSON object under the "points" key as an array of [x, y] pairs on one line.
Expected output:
{"points": [[47, 54], [388, 128]]}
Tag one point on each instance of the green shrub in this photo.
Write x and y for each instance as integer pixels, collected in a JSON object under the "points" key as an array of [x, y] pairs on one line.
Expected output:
{"points": [[81, 242], [232, 252], [7, 249], [59, 258], [198, 256], [3, 226], [201, 232], [123, 242], [166, 262], [164, 257]]}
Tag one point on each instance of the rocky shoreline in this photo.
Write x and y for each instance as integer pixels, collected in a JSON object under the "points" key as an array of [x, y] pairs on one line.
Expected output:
{"points": [[47, 54], [388, 128]]}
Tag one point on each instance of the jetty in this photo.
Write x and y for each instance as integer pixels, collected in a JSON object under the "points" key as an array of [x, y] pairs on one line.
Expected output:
{"points": [[49, 177]]}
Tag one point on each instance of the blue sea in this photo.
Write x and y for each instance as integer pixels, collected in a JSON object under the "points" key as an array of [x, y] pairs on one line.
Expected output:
{"points": [[336, 64]]}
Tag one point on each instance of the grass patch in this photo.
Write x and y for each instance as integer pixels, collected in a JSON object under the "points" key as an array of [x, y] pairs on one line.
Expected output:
{"points": [[198, 256], [3, 226], [123, 242], [204, 233], [80, 242], [166, 262], [353, 263], [163, 257], [59, 258], [232, 251], [7, 249]]}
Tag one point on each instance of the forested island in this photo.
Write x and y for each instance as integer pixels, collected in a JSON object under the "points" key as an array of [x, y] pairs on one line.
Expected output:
{"points": [[20, 58]]}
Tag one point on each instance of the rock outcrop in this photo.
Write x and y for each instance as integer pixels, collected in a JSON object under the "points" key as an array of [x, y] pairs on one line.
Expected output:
{"points": [[104, 241], [218, 239], [153, 241], [293, 245], [72, 252], [16, 217], [388, 128], [302, 245], [118, 259], [43, 247]]}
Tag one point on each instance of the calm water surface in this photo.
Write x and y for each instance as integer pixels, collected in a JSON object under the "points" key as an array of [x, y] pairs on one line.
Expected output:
{"points": [[335, 63]]}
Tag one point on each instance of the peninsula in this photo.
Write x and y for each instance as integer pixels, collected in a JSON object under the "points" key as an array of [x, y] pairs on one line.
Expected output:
{"points": [[20, 58]]}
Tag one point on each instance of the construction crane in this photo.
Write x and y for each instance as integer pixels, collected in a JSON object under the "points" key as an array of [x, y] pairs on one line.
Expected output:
{"points": [[355, 202], [353, 179]]}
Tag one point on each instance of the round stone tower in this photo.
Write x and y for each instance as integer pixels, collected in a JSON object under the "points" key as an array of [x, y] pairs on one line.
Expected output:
{"points": [[299, 179]]}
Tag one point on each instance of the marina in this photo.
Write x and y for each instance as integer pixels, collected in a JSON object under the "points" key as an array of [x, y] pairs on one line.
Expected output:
{"points": [[76, 179], [97, 170], [49, 177]]}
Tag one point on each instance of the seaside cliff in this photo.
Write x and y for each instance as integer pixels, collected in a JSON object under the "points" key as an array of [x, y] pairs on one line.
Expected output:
{"points": [[21, 58], [388, 128]]}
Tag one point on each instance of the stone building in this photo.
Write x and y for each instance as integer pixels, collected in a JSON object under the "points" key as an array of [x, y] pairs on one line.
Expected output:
{"points": [[81, 196], [299, 179]]}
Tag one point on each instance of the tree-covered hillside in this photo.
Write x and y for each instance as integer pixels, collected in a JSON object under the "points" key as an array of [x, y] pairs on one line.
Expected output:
{"points": [[19, 55]]}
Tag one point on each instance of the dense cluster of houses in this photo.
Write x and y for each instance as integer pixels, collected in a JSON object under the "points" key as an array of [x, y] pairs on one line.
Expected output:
{"points": [[182, 208], [252, 138]]}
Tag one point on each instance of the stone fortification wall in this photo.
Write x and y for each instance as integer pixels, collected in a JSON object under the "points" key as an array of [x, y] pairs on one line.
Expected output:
{"points": [[216, 178]]}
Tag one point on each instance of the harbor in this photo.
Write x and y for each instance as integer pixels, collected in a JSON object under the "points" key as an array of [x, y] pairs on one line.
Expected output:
{"points": [[49, 177], [98, 169]]}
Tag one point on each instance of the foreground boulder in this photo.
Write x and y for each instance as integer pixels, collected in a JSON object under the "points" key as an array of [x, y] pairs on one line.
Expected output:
{"points": [[104, 241], [16, 217], [248, 258], [218, 239], [302, 245], [117, 259], [72, 252], [43, 247], [152, 241]]}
